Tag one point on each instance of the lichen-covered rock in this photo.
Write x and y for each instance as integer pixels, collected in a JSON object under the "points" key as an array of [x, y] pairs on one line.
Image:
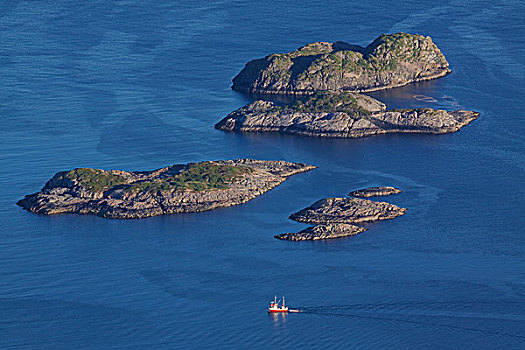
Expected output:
{"points": [[178, 188], [375, 191], [389, 61], [347, 210], [322, 232], [344, 115]]}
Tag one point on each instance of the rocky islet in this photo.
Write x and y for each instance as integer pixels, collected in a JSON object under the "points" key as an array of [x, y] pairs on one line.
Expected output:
{"points": [[347, 210], [391, 60], [341, 115], [375, 191], [319, 232], [336, 217], [179, 188]]}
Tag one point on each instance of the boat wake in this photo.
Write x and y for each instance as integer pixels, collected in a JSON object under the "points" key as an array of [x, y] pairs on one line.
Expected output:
{"points": [[421, 315]]}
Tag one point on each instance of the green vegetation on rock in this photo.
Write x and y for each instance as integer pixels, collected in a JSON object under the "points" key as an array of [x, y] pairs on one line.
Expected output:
{"points": [[325, 102], [390, 60], [195, 177], [178, 188], [95, 180]]}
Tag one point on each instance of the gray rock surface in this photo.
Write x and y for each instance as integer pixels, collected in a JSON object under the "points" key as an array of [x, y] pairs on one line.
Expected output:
{"points": [[389, 61], [347, 210], [322, 232], [178, 188], [375, 191], [266, 116]]}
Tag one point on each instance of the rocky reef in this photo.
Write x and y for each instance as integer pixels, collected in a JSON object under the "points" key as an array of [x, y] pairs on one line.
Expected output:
{"points": [[322, 232], [335, 218], [375, 191], [343, 115], [389, 61], [178, 188]]}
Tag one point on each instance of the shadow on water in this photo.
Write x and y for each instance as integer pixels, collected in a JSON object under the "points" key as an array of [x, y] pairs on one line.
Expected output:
{"points": [[127, 136], [281, 99], [424, 94]]}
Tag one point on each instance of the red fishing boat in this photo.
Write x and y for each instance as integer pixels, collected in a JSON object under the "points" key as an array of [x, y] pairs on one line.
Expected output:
{"points": [[274, 306]]}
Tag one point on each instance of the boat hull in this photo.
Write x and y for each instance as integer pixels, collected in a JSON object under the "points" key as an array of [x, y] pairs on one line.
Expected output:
{"points": [[277, 310]]}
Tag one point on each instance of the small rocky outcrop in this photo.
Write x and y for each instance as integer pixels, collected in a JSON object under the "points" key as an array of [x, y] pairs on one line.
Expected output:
{"points": [[389, 61], [375, 191], [347, 210], [344, 115], [179, 188], [322, 232], [334, 218]]}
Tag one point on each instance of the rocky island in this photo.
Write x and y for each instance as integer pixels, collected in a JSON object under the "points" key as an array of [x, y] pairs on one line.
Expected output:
{"points": [[343, 115], [389, 61], [375, 191], [178, 188], [335, 217]]}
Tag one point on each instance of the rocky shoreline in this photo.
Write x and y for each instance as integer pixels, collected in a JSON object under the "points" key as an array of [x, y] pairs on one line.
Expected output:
{"points": [[180, 188], [256, 91], [319, 232], [343, 115]]}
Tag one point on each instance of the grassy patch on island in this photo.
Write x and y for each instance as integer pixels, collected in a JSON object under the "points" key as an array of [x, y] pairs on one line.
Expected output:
{"points": [[195, 177], [326, 102], [95, 180]]}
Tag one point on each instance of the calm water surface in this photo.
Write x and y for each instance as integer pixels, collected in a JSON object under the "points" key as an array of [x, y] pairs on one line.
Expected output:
{"points": [[135, 85]]}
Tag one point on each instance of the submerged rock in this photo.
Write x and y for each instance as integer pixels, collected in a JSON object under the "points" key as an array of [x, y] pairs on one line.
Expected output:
{"points": [[375, 191], [347, 210], [179, 188], [389, 61], [344, 115], [322, 232]]}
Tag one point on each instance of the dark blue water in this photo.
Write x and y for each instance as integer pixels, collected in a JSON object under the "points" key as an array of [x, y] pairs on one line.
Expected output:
{"points": [[139, 85]]}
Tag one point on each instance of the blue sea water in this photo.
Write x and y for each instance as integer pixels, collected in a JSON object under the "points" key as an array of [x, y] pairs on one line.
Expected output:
{"points": [[138, 85]]}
